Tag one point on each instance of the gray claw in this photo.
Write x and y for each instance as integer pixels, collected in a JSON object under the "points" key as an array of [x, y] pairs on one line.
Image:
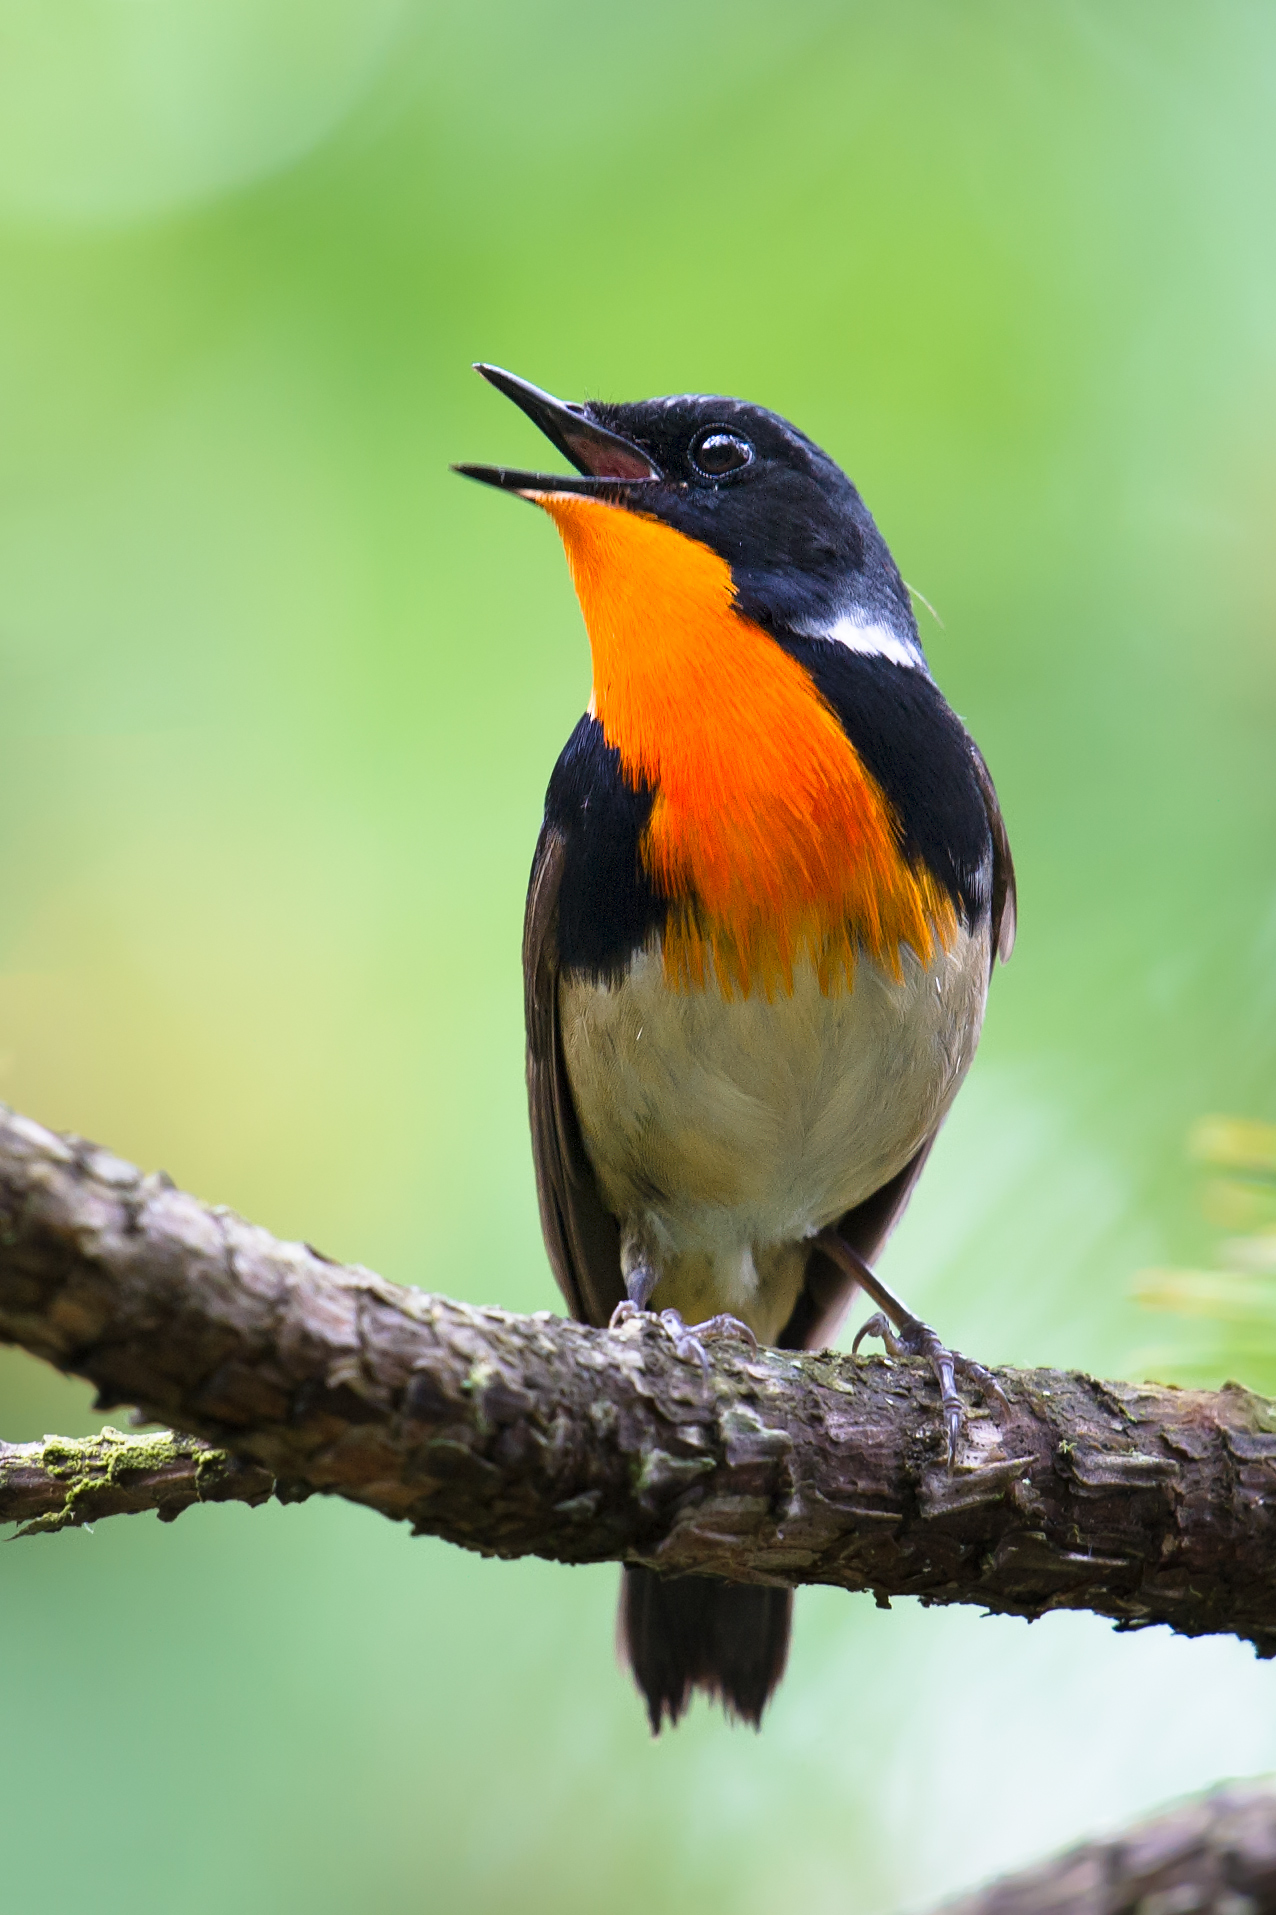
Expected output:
{"points": [[982, 1378], [916, 1338], [725, 1325], [878, 1326], [685, 1342]]}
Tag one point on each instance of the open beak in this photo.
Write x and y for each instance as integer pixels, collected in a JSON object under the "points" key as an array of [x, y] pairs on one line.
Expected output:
{"points": [[609, 463]]}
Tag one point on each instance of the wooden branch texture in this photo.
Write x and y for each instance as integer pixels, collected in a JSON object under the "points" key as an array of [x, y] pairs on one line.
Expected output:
{"points": [[534, 1435], [1212, 1856]]}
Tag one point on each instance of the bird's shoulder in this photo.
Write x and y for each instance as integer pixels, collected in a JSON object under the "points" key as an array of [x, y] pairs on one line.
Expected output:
{"points": [[596, 815], [930, 770]]}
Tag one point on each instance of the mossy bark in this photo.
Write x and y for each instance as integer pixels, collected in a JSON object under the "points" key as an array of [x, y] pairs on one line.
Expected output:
{"points": [[65, 1482]]}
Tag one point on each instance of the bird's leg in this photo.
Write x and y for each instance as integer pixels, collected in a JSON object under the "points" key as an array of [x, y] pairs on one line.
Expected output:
{"points": [[640, 1281], [912, 1337]]}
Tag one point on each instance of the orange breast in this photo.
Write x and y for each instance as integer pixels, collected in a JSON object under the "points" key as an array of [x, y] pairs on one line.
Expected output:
{"points": [[767, 834]]}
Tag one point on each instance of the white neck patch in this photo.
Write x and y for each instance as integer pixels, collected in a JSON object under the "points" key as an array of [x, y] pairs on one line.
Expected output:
{"points": [[874, 641]]}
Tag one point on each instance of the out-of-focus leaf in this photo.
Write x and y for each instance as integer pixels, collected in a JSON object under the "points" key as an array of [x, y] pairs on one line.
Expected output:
{"points": [[1235, 1302], [1234, 1143]]}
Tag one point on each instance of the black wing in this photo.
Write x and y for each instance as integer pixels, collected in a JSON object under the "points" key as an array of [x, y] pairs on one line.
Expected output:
{"points": [[827, 1291], [581, 1236], [1005, 897]]}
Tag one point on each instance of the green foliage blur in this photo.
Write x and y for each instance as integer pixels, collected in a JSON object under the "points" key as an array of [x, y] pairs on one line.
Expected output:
{"points": [[279, 699], [1227, 1312]]}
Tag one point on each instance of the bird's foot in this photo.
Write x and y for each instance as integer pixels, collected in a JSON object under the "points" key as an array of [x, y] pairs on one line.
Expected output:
{"points": [[687, 1345], [912, 1337], [687, 1337], [725, 1325], [915, 1338]]}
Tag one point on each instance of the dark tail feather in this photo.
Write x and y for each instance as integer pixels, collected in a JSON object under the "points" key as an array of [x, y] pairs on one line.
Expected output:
{"points": [[681, 1633]]}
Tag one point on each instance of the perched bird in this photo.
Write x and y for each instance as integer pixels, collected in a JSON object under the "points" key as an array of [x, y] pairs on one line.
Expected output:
{"points": [[766, 899]]}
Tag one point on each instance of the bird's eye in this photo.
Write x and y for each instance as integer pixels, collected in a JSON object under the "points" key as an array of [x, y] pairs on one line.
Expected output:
{"points": [[716, 452]]}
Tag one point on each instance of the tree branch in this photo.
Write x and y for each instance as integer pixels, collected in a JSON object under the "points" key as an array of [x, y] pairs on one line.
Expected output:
{"points": [[1217, 1853], [63, 1484], [537, 1436]]}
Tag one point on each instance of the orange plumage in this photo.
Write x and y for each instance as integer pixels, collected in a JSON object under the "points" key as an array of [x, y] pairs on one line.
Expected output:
{"points": [[767, 834]]}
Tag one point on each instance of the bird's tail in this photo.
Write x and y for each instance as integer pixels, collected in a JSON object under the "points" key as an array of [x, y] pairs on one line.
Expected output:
{"points": [[681, 1633]]}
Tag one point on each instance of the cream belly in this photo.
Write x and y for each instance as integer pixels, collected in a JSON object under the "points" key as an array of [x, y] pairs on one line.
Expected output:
{"points": [[725, 1131]]}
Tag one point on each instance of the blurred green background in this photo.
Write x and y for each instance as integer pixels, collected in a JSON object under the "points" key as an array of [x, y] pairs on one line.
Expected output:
{"points": [[280, 697]]}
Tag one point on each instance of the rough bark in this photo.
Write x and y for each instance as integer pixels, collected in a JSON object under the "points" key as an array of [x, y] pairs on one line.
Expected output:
{"points": [[1214, 1856], [64, 1482], [533, 1435]]}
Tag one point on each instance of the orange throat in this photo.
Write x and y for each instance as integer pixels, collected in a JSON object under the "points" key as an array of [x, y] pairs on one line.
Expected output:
{"points": [[767, 834]]}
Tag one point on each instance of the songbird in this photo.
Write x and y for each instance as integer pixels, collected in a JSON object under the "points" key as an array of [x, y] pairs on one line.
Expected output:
{"points": [[764, 907]]}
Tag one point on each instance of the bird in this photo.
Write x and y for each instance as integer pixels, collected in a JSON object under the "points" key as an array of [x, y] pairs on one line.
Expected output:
{"points": [[769, 889]]}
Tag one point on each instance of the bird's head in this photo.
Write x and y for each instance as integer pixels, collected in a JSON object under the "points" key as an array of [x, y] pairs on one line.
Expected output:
{"points": [[797, 549], [714, 548]]}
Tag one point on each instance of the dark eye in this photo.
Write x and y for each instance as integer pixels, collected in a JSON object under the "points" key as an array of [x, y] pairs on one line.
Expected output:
{"points": [[716, 452]]}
